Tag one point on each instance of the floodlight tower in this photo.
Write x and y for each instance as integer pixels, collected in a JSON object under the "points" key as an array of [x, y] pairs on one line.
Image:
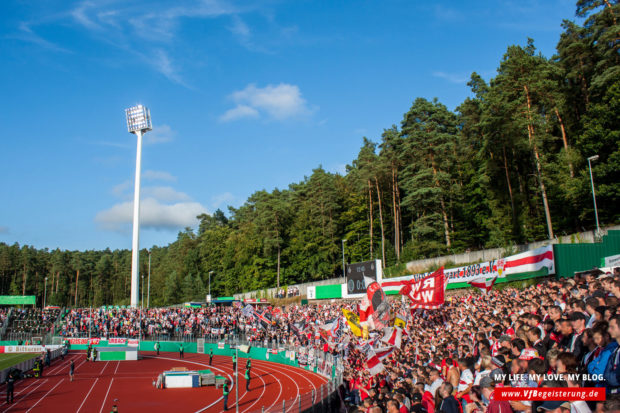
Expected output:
{"points": [[138, 122]]}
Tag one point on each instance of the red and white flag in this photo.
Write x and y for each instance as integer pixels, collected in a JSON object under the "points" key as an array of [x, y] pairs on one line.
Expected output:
{"points": [[393, 336], [482, 284], [374, 364], [427, 293], [366, 309], [384, 352]]}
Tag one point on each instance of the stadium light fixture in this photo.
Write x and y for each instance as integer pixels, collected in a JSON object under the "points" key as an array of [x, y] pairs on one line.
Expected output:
{"points": [[591, 159], [138, 123]]}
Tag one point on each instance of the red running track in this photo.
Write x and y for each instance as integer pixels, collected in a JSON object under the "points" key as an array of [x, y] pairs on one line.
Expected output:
{"points": [[96, 386]]}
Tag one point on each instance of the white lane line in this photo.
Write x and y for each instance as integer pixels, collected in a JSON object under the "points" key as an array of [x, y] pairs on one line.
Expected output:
{"points": [[106, 395], [88, 394], [45, 395], [119, 363], [22, 398], [61, 365], [297, 371], [106, 365]]}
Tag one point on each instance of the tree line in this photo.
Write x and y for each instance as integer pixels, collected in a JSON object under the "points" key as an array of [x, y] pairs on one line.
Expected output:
{"points": [[509, 165]]}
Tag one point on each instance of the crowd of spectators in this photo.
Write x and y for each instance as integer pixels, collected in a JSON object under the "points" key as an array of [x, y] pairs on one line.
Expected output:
{"points": [[32, 320], [451, 360], [179, 323], [4, 312]]}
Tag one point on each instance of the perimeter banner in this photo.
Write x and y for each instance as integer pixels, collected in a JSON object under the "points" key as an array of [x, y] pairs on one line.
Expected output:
{"points": [[529, 261]]}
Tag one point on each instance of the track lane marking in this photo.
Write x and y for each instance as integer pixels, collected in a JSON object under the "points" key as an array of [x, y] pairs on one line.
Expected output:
{"points": [[39, 401], [106, 395], [88, 394], [22, 398]]}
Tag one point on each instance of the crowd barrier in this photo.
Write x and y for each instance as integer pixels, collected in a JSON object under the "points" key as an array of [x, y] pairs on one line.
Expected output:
{"points": [[26, 365]]}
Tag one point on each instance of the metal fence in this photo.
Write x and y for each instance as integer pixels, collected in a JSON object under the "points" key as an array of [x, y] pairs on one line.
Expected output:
{"points": [[324, 399]]}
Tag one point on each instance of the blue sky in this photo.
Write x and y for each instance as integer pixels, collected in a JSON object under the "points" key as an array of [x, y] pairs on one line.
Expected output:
{"points": [[243, 95]]}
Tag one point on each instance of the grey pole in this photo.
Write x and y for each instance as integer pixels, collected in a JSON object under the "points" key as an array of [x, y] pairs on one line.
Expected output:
{"points": [[594, 158], [237, 376], [45, 293], [343, 268], [210, 272], [148, 293]]}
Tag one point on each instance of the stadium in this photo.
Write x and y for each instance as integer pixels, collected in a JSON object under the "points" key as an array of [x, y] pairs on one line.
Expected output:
{"points": [[302, 207]]}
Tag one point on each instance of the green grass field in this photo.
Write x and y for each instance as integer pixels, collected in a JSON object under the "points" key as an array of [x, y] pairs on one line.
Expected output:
{"points": [[10, 359]]}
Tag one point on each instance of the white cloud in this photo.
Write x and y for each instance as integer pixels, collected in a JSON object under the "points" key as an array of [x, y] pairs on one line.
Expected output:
{"points": [[239, 112], [164, 193], [276, 101], [162, 62], [159, 134], [223, 199], [452, 77], [153, 215], [120, 190], [27, 34], [4, 230], [159, 176]]}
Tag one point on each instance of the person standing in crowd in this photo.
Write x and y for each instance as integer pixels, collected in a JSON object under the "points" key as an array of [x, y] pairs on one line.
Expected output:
{"points": [[487, 388], [71, 370], [612, 371], [449, 403]]}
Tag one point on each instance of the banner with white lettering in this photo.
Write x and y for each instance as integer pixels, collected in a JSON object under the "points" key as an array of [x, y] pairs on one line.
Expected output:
{"points": [[428, 293]]}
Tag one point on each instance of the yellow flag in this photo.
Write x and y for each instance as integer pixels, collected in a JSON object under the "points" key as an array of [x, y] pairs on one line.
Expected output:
{"points": [[399, 322], [354, 322]]}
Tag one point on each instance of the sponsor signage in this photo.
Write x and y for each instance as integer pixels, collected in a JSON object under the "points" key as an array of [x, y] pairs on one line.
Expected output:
{"points": [[84, 341]]}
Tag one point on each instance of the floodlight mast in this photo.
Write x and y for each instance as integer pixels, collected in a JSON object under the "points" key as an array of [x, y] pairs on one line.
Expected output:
{"points": [[138, 123]]}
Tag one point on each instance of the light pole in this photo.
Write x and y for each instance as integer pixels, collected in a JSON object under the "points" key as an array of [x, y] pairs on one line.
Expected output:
{"points": [[148, 291], [590, 159], [142, 288], [45, 294], [237, 375], [343, 269], [210, 272], [138, 122]]}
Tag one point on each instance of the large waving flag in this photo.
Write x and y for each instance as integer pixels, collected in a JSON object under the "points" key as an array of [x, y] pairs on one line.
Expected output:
{"points": [[393, 336], [379, 304], [354, 322], [483, 284], [427, 293], [401, 318], [375, 366], [384, 352]]}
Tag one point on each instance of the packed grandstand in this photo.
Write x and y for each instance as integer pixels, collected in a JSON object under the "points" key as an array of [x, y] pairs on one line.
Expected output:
{"points": [[556, 333]]}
